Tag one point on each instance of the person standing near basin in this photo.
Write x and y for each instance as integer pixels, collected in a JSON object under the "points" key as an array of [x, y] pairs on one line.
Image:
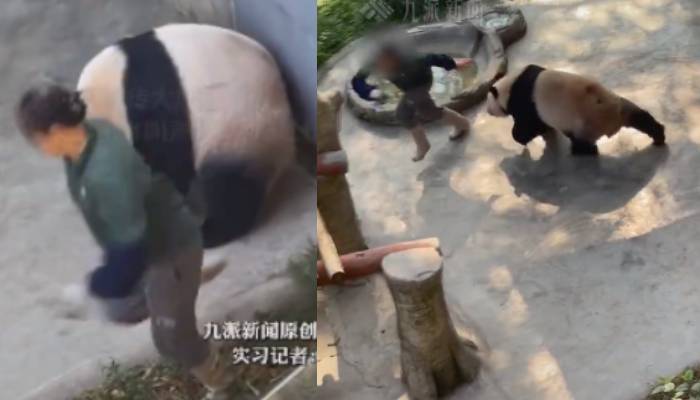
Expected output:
{"points": [[411, 73]]}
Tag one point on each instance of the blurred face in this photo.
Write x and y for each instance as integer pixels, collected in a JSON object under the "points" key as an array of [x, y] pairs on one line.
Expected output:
{"points": [[59, 141], [387, 63]]}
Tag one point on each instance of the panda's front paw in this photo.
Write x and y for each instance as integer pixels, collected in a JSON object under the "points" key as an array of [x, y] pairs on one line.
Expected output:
{"points": [[584, 149], [659, 139]]}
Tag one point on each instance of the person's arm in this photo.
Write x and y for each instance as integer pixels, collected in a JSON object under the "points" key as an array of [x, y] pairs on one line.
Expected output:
{"points": [[441, 60], [361, 87], [119, 196]]}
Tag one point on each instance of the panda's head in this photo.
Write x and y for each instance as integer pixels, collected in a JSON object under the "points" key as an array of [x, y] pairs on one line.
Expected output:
{"points": [[498, 96]]}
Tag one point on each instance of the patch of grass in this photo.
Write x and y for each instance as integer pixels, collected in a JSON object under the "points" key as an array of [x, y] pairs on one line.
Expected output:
{"points": [[145, 382], [684, 386], [341, 21], [165, 381]]}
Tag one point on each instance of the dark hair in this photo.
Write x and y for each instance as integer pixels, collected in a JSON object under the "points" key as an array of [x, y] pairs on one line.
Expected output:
{"points": [[43, 106]]}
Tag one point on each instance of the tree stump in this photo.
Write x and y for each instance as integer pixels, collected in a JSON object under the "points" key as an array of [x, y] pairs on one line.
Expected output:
{"points": [[334, 199], [433, 359], [335, 204]]}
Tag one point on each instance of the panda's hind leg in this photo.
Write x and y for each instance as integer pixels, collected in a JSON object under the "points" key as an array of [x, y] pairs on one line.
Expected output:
{"points": [[234, 194], [581, 147]]}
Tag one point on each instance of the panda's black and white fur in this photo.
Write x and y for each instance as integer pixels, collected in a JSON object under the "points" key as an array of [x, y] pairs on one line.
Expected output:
{"points": [[201, 102], [540, 100]]}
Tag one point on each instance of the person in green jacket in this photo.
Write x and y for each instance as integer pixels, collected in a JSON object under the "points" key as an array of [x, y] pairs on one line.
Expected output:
{"points": [[148, 232], [411, 72]]}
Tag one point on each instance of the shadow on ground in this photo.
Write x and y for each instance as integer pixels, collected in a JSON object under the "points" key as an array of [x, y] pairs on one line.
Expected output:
{"points": [[559, 179]]}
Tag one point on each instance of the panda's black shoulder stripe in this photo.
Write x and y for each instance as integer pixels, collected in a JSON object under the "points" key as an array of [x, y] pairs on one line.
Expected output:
{"points": [[521, 103], [157, 109]]}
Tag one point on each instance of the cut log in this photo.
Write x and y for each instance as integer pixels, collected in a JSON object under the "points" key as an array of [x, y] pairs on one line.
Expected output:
{"points": [[433, 359]]}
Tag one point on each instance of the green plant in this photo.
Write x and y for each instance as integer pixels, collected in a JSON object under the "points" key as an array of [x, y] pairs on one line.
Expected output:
{"points": [[144, 382], [685, 386], [342, 21]]}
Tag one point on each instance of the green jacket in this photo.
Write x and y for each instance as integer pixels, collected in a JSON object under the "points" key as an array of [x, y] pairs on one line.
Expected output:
{"points": [[136, 216]]}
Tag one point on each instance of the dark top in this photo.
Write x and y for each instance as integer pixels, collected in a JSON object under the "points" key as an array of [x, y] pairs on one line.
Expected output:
{"points": [[521, 105], [413, 72]]}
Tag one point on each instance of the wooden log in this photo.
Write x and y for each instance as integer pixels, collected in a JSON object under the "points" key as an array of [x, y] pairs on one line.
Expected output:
{"points": [[329, 253], [363, 263], [328, 105], [333, 192], [336, 205], [434, 361]]}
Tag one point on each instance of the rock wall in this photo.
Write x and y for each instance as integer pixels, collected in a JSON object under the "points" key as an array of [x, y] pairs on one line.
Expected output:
{"points": [[288, 29], [215, 12]]}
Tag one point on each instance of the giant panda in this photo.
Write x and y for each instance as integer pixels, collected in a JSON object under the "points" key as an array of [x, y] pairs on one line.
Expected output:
{"points": [[540, 100], [203, 105]]}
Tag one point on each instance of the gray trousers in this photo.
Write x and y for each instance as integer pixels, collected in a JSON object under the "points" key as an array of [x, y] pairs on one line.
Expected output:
{"points": [[417, 107], [168, 293]]}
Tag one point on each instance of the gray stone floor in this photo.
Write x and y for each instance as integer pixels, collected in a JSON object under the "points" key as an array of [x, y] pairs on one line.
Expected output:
{"points": [[43, 242], [578, 277]]}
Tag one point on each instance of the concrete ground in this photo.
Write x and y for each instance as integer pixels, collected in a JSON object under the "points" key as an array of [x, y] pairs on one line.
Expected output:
{"points": [[44, 244], [578, 277]]}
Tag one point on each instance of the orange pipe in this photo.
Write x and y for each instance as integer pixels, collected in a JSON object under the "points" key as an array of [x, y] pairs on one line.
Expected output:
{"points": [[332, 163], [367, 262]]}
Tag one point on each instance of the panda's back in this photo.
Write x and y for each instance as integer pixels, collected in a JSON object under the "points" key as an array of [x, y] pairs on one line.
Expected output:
{"points": [[576, 104], [100, 84], [203, 105], [235, 99], [236, 85]]}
